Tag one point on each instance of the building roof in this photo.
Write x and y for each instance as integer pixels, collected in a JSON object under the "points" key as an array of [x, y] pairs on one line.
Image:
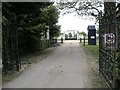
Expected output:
{"points": [[91, 27]]}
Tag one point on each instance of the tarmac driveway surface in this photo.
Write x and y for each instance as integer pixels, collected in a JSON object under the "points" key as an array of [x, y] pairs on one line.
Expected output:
{"points": [[65, 67]]}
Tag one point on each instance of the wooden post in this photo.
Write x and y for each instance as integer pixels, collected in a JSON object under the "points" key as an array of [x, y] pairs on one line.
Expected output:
{"points": [[80, 40], [84, 41], [61, 40]]}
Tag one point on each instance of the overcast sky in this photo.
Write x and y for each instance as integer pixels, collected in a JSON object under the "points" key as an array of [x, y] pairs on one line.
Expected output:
{"points": [[72, 22]]}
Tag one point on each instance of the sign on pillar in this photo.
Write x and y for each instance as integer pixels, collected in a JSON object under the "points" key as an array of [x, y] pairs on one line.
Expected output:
{"points": [[109, 41]]}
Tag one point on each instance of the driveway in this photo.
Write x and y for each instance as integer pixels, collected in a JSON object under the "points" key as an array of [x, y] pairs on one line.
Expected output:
{"points": [[65, 67]]}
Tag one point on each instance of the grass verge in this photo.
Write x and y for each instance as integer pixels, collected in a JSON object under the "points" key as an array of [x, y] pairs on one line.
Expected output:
{"points": [[93, 56], [93, 49]]}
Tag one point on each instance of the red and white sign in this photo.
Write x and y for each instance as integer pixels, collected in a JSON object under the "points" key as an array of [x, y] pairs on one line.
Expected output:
{"points": [[110, 38], [109, 41]]}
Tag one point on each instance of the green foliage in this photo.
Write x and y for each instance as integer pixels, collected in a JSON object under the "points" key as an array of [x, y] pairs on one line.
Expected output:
{"points": [[70, 35], [82, 33], [54, 31], [75, 35], [29, 19], [93, 49], [32, 19], [66, 36], [50, 16]]}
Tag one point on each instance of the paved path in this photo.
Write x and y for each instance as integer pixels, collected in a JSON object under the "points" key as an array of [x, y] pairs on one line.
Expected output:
{"points": [[65, 67]]}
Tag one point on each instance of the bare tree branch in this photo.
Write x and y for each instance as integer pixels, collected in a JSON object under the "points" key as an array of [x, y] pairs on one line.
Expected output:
{"points": [[81, 8]]}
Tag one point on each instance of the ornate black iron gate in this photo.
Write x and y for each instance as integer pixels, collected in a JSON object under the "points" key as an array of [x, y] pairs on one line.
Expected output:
{"points": [[10, 47], [108, 43], [118, 50]]}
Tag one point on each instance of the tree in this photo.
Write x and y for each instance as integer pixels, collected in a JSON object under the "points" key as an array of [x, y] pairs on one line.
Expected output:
{"points": [[55, 31], [23, 21], [50, 17], [29, 24], [75, 35], [83, 33], [70, 35], [84, 7], [66, 36]]}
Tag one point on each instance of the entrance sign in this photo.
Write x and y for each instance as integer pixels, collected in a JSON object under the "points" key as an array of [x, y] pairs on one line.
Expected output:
{"points": [[109, 41]]}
